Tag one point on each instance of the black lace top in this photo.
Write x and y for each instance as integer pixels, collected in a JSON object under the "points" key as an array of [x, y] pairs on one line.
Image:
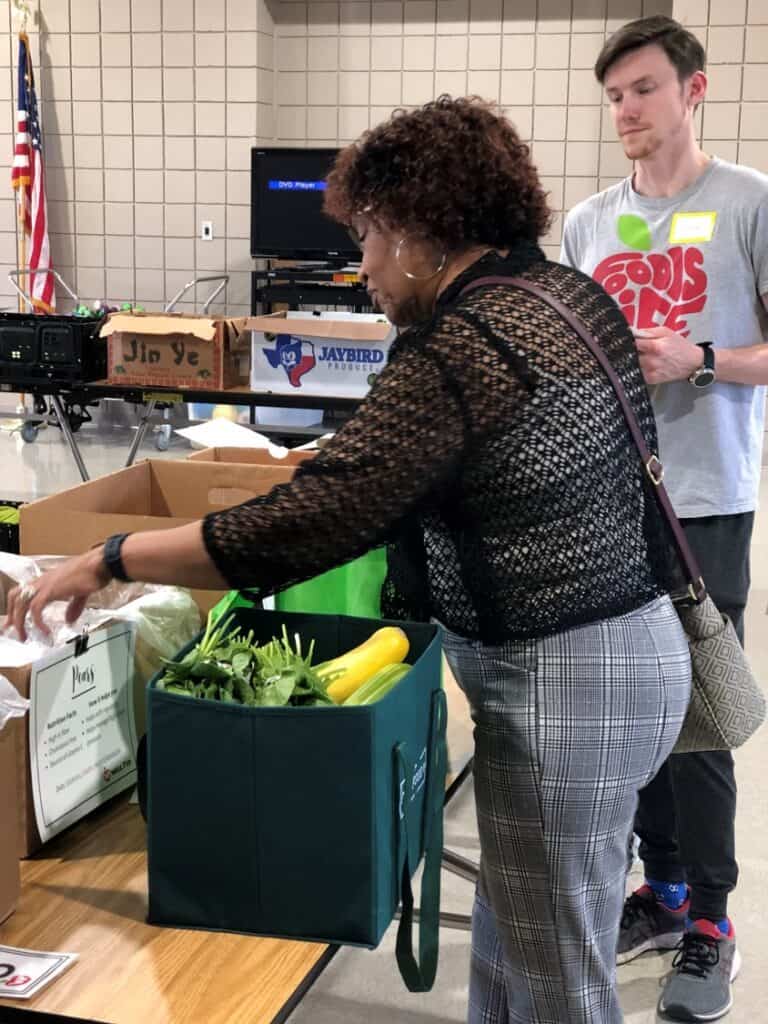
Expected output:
{"points": [[492, 452]]}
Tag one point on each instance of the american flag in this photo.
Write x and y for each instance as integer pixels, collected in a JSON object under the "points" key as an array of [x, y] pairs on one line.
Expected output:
{"points": [[28, 179]]}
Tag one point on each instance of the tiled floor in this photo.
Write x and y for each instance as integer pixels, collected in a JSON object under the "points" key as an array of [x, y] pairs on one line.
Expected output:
{"points": [[363, 985], [46, 466]]}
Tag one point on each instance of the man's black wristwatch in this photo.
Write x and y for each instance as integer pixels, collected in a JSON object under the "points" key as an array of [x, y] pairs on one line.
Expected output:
{"points": [[113, 559], [705, 375]]}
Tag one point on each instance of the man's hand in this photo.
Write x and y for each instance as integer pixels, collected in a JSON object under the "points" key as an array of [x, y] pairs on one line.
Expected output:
{"points": [[74, 581], [666, 356]]}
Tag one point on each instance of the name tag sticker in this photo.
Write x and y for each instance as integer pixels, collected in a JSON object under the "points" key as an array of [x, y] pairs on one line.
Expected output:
{"points": [[692, 227]]}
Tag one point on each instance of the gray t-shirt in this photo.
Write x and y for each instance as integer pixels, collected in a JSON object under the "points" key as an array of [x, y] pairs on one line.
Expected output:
{"points": [[697, 263]]}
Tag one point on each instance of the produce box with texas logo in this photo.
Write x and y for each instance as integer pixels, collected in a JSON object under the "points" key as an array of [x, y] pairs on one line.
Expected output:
{"points": [[323, 354]]}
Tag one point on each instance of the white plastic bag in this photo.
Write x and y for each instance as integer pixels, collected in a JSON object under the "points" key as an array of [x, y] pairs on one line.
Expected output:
{"points": [[12, 704], [166, 618]]}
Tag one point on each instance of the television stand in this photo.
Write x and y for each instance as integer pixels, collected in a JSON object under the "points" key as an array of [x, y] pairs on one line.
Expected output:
{"points": [[309, 285]]}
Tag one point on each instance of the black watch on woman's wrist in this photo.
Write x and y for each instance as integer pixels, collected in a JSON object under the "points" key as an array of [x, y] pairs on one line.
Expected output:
{"points": [[113, 558]]}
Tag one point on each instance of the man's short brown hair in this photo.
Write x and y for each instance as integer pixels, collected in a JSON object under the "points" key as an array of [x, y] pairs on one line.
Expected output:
{"points": [[684, 50]]}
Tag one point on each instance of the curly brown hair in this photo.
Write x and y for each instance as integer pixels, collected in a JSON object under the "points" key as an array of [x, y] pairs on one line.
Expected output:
{"points": [[454, 169]]}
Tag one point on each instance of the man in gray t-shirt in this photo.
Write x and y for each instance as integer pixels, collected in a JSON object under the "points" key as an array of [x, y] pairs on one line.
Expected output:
{"points": [[682, 246], [691, 266]]}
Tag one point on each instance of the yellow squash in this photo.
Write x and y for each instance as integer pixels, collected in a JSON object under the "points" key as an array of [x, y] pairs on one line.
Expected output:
{"points": [[349, 671]]}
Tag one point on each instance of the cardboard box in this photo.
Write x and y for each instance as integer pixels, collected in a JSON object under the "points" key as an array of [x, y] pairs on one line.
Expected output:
{"points": [[177, 350], [353, 588], [9, 819], [249, 456], [331, 355], [151, 495]]}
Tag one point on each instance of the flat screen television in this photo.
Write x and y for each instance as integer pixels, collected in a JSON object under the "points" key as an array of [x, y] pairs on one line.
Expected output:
{"points": [[287, 219]]}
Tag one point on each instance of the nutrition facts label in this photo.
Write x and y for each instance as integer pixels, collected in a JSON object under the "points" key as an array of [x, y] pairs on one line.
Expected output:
{"points": [[82, 735]]}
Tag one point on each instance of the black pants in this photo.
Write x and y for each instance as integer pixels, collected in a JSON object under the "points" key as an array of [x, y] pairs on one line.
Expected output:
{"points": [[685, 817]]}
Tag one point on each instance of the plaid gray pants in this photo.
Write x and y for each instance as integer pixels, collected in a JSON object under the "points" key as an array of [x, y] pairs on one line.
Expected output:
{"points": [[568, 728]]}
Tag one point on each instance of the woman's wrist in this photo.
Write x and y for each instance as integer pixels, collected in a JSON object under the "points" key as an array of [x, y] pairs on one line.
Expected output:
{"points": [[113, 557], [96, 563]]}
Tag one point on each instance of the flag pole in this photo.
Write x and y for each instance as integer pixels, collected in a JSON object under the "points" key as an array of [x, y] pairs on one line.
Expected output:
{"points": [[22, 406], [22, 249], [22, 256], [20, 192]]}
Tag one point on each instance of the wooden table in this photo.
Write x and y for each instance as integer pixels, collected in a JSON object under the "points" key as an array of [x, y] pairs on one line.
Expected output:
{"points": [[86, 893]]}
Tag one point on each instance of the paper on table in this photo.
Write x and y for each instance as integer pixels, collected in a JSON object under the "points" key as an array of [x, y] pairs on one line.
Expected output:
{"points": [[26, 971], [222, 433], [316, 442]]}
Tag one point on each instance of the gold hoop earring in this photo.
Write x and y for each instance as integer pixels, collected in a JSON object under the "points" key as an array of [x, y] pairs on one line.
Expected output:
{"points": [[408, 273]]}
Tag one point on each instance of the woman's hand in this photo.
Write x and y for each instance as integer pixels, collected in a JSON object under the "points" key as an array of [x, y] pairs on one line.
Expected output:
{"points": [[74, 581], [176, 557]]}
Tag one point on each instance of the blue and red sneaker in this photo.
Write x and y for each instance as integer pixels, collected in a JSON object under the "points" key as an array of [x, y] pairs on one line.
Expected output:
{"points": [[707, 961]]}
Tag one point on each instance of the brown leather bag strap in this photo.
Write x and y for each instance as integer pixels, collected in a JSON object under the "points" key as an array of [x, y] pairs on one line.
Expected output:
{"points": [[653, 467]]}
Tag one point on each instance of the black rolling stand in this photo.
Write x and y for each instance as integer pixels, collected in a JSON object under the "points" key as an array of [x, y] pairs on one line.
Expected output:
{"points": [[62, 361]]}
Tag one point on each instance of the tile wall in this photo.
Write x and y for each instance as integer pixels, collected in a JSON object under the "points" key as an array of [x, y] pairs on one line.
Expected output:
{"points": [[149, 111], [150, 108]]}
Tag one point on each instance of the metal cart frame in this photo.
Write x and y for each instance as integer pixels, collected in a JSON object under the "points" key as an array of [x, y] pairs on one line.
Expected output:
{"points": [[69, 402]]}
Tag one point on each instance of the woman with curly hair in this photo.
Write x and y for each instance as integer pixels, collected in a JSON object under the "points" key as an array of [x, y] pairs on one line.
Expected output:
{"points": [[493, 447]]}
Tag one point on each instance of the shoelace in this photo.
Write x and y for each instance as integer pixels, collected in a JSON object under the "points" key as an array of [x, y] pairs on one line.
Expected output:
{"points": [[637, 907], [696, 955]]}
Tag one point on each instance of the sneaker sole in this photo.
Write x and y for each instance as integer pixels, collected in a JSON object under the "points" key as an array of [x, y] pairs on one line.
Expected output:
{"points": [[665, 942], [704, 1017], [736, 965]]}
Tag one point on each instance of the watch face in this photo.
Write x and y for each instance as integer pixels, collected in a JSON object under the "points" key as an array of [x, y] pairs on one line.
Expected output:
{"points": [[703, 378]]}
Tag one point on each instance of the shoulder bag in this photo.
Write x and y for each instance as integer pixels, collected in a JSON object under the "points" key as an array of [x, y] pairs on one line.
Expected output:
{"points": [[727, 704]]}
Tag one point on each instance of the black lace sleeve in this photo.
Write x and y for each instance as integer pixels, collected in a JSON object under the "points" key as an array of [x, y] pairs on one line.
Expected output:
{"points": [[402, 447]]}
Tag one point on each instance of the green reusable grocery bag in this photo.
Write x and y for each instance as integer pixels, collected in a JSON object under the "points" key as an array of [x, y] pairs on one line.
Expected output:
{"points": [[302, 823], [351, 589], [231, 600]]}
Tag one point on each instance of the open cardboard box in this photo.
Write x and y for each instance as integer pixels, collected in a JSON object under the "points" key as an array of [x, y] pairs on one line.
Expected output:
{"points": [[9, 818], [152, 495], [177, 350], [295, 353], [250, 456]]}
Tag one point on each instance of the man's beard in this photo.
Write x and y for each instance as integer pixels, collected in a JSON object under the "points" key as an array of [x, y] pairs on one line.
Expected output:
{"points": [[641, 150]]}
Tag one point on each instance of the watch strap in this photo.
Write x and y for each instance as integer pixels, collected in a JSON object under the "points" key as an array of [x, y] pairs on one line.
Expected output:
{"points": [[704, 375], [113, 559]]}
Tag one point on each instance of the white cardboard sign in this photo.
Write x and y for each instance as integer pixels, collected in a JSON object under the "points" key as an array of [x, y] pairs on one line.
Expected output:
{"points": [[82, 734]]}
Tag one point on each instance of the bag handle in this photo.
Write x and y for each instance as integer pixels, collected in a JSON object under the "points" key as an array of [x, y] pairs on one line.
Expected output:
{"points": [[653, 467], [419, 975]]}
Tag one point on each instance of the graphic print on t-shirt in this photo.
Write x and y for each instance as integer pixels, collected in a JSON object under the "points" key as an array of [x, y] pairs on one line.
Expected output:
{"points": [[654, 289]]}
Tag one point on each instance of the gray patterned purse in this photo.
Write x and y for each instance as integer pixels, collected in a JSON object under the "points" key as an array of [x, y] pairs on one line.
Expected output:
{"points": [[727, 704]]}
